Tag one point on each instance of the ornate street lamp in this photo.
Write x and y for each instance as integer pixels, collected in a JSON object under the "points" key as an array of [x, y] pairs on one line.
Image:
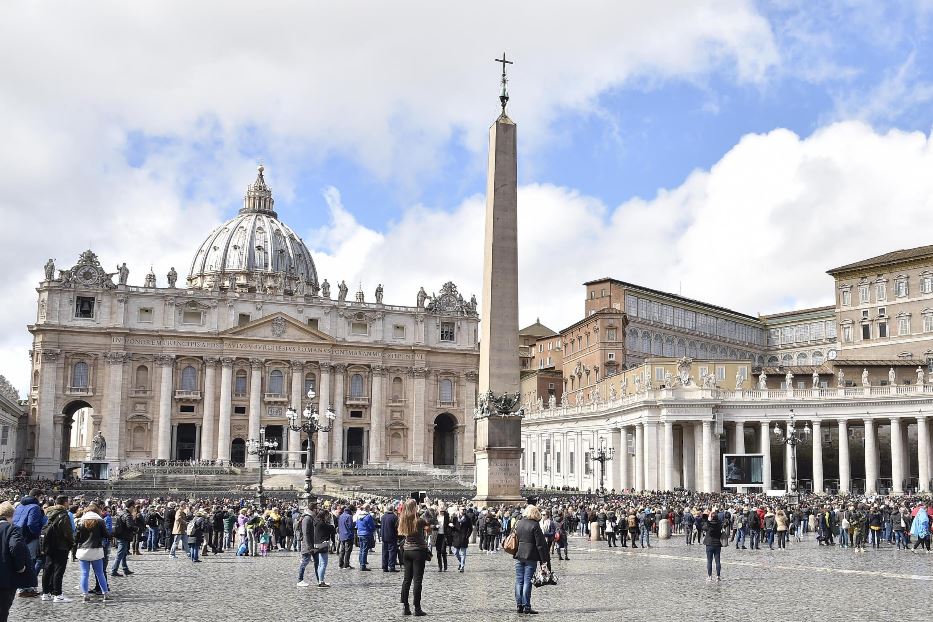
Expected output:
{"points": [[792, 438], [261, 447], [602, 457], [309, 421]]}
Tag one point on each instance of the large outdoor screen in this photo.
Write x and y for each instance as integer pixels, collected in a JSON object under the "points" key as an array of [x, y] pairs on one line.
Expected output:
{"points": [[742, 469]]}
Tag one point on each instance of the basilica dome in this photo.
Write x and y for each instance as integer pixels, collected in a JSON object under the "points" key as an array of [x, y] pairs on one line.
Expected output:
{"points": [[254, 252]]}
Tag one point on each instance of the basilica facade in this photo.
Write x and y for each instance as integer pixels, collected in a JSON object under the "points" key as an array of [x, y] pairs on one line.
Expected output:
{"points": [[193, 371]]}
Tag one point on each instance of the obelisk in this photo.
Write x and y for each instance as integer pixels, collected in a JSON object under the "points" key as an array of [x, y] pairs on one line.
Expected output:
{"points": [[498, 414]]}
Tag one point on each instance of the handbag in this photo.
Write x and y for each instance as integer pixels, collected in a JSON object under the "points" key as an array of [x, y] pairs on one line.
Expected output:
{"points": [[321, 547], [510, 545], [543, 577], [90, 555]]}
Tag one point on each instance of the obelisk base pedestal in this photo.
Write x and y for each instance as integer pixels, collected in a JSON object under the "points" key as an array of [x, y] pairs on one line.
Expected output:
{"points": [[497, 477]]}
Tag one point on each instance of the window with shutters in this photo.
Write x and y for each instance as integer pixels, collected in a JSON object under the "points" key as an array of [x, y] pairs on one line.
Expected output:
{"points": [[356, 385], [79, 375], [189, 379], [447, 391]]}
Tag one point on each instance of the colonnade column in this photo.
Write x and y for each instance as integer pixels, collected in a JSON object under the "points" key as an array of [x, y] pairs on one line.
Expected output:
{"points": [[689, 457], [210, 401], [707, 456], [322, 447], [897, 457], [297, 401], [871, 458], [418, 416], [167, 365], [845, 472], [377, 427], [668, 455], [765, 445], [255, 405], [738, 445], [226, 409], [615, 443], [622, 457], [817, 456], [650, 452], [639, 456], [923, 453], [115, 361], [340, 398]]}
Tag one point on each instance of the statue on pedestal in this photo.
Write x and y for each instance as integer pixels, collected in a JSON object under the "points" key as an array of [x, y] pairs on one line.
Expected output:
{"points": [[739, 380], [50, 269], [762, 381], [124, 273], [865, 382], [920, 376], [379, 294], [172, 276], [325, 289], [422, 296], [98, 447], [892, 377], [841, 379], [342, 290], [788, 380], [816, 380]]}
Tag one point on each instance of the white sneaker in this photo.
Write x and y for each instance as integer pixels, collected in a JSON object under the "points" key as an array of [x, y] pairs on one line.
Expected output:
{"points": [[45, 597], [61, 599], [303, 584]]}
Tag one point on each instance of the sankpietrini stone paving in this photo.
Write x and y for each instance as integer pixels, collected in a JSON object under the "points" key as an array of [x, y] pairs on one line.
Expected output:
{"points": [[666, 582]]}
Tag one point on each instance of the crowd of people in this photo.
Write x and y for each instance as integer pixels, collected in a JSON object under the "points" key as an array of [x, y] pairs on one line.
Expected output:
{"points": [[42, 529]]}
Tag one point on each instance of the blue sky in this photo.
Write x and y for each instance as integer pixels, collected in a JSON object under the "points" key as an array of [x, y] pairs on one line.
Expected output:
{"points": [[729, 149]]}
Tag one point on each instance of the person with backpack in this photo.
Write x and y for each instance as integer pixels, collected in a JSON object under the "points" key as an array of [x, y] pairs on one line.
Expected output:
{"points": [[154, 523], [30, 519], [611, 525], [179, 532], [56, 540], [124, 527], [195, 531], [14, 561], [560, 537], [461, 528]]}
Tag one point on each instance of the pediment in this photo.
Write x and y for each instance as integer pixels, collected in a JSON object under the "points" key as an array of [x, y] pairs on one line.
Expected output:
{"points": [[277, 326]]}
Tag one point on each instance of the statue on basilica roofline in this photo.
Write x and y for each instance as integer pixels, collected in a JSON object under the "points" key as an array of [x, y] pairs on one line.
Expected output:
{"points": [[342, 290], [739, 380], [841, 379], [325, 289], [124, 273], [379, 294], [892, 377], [50, 269], [422, 297], [816, 380], [920, 376], [316, 289], [172, 276], [865, 382], [150, 279], [762, 381]]}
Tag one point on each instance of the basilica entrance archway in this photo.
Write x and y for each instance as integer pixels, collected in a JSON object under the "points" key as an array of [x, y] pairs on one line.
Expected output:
{"points": [[186, 438], [356, 453], [77, 430], [238, 451], [445, 425]]}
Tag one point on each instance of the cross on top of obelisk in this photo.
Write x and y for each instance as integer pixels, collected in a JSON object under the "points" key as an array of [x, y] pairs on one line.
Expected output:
{"points": [[504, 95]]}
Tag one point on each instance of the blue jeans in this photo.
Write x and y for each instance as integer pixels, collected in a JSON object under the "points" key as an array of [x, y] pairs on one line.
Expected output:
{"points": [[460, 554], [305, 560], [194, 550], [123, 547], [645, 536], [179, 542], [843, 537], [98, 566], [740, 538], [770, 537], [524, 571], [321, 565], [713, 552], [152, 539], [366, 544]]}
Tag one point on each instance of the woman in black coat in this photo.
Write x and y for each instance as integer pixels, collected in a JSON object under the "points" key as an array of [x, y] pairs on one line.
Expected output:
{"points": [[532, 551], [712, 538], [461, 528]]}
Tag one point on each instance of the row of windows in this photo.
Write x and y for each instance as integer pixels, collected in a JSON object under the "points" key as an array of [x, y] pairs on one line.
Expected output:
{"points": [[802, 333], [657, 345], [691, 320], [802, 358], [901, 289], [880, 330]]}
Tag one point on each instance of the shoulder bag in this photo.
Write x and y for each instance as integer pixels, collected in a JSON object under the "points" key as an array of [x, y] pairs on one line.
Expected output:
{"points": [[510, 545]]}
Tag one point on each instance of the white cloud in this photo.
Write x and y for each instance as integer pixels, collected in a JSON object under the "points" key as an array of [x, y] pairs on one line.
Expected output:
{"points": [[384, 85], [755, 233]]}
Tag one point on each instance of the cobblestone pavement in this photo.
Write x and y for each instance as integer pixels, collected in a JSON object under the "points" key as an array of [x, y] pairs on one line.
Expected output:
{"points": [[666, 582]]}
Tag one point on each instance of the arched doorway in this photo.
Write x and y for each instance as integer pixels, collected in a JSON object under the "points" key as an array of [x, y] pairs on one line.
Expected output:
{"points": [[238, 451], [77, 431], [445, 425], [186, 439]]}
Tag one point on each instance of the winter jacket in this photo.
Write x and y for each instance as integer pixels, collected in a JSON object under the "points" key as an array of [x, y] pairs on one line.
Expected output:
{"points": [[59, 536], [345, 526], [29, 517]]}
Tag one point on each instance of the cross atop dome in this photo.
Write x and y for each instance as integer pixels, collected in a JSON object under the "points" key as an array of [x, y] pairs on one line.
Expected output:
{"points": [[258, 197]]}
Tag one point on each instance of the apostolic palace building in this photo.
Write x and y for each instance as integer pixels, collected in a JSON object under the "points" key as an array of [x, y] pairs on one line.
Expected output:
{"points": [[664, 385], [190, 371]]}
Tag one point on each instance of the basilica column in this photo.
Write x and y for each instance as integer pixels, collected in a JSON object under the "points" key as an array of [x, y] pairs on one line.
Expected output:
{"points": [[167, 365], [45, 435], [114, 417], [897, 457], [622, 457], [923, 451], [688, 450], [418, 415], [226, 409], [765, 444], [255, 405], [210, 401], [817, 456], [340, 400], [377, 426], [650, 450], [297, 401], [469, 405], [707, 456], [615, 442], [845, 472], [639, 457], [322, 446], [668, 455], [871, 458]]}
